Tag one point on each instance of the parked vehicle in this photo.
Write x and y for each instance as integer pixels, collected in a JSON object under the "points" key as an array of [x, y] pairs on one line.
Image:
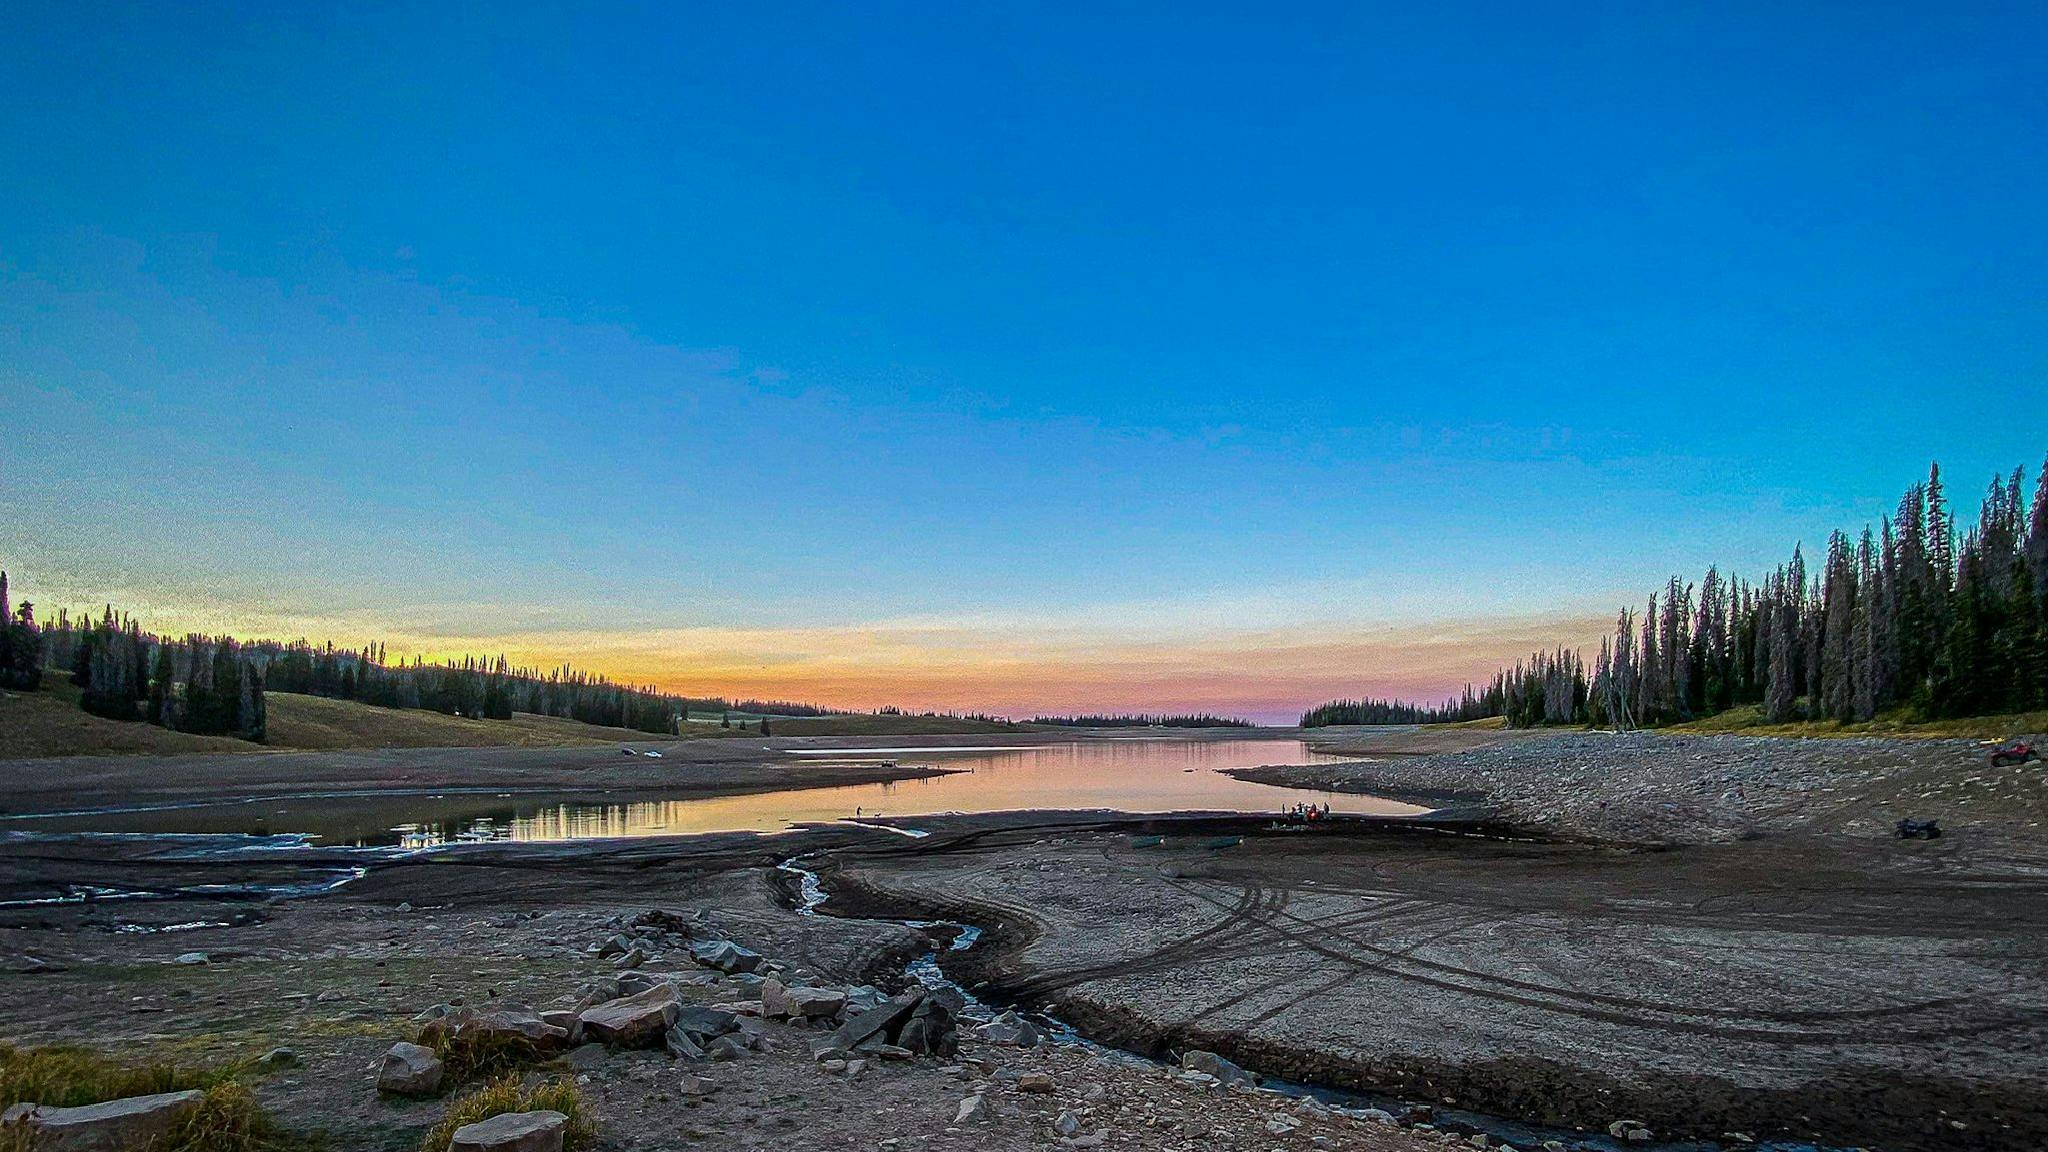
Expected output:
{"points": [[2018, 752], [1910, 829]]}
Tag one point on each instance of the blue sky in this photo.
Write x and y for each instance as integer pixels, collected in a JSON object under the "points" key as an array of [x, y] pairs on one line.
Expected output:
{"points": [[1024, 355]]}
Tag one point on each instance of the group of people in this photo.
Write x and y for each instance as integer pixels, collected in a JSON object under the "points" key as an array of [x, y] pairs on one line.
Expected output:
{"points": [[1309, 813]]}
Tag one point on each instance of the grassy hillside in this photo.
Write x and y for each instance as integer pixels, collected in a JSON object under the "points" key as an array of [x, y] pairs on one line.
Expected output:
{"points": [[1748, 720], [50, 723]]}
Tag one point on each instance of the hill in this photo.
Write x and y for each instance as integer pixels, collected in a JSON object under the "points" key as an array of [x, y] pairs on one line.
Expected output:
{"points": [[50, 723]]}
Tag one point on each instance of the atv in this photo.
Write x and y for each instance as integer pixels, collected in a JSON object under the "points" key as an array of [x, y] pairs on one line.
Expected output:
{"points": [[2015, 753]]}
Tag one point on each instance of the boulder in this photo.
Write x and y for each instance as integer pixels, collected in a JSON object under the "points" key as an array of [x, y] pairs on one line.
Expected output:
{"points": [[930, 1030], [113, 1126], [600, 990], [587, 1057], [682, 1045], [566, 1020], [1209, 1063], [975, 1109], [862, 997], [1633, 1131], [630, 983], [725, 956], [704, 1023], [1010, 1028], [497, 1022], [1037, 1083], [695, 1087], [725, 1048], [278, 1059], [1067, 1124], [513, 1132], [775, 1001], [817, 1003], [409, 1070], [636, 1021], [885, 1021]]}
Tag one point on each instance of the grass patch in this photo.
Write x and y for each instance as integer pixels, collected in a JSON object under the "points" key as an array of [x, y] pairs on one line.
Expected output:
{"points": [[1748, 719], [67, 1077], [228, 1119], [505, 1095], [480, 1055]]}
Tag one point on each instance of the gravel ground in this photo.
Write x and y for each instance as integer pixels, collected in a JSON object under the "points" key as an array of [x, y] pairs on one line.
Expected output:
{"points": [[1645, 787]]}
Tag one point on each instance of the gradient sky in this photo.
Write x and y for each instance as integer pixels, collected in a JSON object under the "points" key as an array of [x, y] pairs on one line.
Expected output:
{"points": [[998, 356]]}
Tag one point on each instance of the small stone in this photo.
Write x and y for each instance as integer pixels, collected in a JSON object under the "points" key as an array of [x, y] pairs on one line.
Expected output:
{"points": [[277, 1059], [695, 1087], [974, 1109], [834, 1066], [1037, 1083], [1210, 1064], [192, 958], [1067, 1124]]}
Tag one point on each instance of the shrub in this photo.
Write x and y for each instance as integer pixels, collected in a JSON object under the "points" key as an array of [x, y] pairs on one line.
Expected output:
{"points": [[505, 1095]]}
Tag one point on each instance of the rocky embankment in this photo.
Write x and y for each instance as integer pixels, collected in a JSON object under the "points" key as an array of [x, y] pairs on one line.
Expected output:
{"points": [[1643, 787]]}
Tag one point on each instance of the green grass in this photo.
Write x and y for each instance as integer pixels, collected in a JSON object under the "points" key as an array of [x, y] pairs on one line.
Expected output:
{"points": [[505, 1095], [1748, 720], [70, 1077], [228, 1119], [479, 1055]]}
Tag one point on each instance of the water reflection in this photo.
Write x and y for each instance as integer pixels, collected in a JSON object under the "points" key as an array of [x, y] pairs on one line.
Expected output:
{"points": [[1132, 775]]}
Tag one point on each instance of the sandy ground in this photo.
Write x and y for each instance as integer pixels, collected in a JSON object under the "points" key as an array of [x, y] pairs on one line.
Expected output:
{"points": [[1711, 934]]}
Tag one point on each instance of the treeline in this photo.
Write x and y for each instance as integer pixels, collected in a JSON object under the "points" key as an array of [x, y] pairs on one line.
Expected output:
{"points": [[207, 685], [1369, 711], [980, 717], [216, 684], [1144, 720], [21, 644], [1919, 611]]}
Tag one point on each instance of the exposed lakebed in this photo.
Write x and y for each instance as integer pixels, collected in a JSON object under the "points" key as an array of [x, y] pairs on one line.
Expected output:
{"points": [[1138, 774]]}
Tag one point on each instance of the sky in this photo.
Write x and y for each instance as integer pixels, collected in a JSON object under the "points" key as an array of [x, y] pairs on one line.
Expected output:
{"points": [[999, 357]]}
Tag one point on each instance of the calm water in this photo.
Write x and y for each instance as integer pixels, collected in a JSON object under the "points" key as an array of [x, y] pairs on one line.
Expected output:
{"points": [[1156, 774]]}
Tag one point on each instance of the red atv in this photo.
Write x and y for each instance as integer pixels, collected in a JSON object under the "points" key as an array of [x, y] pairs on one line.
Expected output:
{"points": [[2018, 752]]}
